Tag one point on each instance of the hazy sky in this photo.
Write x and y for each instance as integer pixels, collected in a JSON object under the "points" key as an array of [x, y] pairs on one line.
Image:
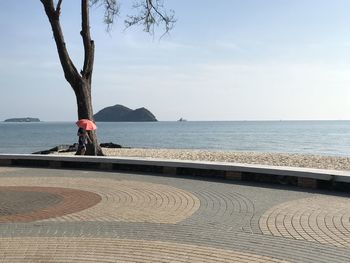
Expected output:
{"points": [[224, 60]]}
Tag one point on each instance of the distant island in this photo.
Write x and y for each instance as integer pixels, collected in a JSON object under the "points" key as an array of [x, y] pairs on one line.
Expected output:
{"points": [[27, 119], [120, 113]]}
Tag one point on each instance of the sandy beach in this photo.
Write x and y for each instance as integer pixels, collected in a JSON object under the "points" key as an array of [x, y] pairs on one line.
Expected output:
{"points": [[277, 159]]}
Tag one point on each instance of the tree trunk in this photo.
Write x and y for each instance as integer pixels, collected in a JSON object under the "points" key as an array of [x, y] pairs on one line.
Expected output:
{"points": [[84, 103], [81, 83]]}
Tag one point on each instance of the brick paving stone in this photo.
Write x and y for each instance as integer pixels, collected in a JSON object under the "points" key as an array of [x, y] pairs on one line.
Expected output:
{"points": [[7, 169], [145, 218], [34, 249], [26, 204], [314, 219], [120, 200], [13, 200]]}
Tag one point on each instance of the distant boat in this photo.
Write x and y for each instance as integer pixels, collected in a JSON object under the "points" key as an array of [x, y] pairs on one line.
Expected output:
{"points": [[181, 119]]}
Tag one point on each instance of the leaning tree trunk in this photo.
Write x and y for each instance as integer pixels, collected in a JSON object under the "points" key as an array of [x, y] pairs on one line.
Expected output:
{"points": [[80, 82]]}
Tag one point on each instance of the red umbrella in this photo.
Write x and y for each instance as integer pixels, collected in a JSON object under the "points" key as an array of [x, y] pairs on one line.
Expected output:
{"points": [[86, 124]]}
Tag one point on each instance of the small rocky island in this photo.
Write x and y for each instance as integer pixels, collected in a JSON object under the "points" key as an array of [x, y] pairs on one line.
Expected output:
{"points": [[120, 113], [27, 119]]}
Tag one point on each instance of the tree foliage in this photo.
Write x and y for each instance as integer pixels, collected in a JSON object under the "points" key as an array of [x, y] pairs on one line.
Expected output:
{"points": [[149, 14]]}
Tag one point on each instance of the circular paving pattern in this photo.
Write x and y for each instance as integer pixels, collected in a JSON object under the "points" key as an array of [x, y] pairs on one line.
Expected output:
{"points": [[229, 208], [54, 215], [25, 204], [21, 200], [116, 250], [126, 201], [320, 219]]}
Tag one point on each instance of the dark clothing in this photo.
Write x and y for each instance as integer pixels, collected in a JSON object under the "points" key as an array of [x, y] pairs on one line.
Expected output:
{"points": [[82, 138]]}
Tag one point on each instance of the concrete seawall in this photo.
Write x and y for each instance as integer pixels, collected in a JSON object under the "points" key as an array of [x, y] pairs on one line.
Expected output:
{"points": [[302, 177]]}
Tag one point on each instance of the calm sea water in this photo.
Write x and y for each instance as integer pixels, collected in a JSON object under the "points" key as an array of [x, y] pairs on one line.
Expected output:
{"points": [[310, 137]]}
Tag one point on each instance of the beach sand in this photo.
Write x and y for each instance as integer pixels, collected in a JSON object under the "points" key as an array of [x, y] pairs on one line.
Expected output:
{"points": [[276, 159]]}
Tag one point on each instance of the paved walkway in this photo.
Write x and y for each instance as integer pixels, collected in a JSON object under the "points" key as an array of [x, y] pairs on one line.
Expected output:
{"points": [[49, 215]]}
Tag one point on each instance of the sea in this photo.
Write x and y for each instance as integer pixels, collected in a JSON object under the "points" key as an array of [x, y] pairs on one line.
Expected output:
{"points": [[330, 138]]}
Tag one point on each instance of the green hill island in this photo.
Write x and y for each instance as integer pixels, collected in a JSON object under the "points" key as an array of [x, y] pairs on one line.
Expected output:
{"points": [[120, 113]]}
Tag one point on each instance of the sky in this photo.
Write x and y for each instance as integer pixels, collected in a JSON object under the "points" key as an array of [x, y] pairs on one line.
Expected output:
{"points": [[224, 60]]}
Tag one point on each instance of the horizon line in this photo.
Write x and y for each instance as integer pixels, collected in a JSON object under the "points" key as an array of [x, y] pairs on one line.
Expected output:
{"points": [[243, 120]]}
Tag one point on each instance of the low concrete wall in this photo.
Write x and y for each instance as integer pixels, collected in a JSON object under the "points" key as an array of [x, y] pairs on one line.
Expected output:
{"points": [[303, 177]]}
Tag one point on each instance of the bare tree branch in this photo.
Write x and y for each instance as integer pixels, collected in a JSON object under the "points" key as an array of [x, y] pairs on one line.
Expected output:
{"points": [[89, 46], [58, 7], [70, 72]]}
